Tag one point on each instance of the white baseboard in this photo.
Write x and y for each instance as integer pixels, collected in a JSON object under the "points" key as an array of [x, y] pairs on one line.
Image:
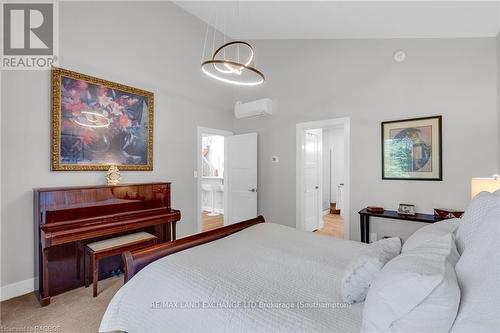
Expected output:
{"points": [[326, 212], [17, 289]]}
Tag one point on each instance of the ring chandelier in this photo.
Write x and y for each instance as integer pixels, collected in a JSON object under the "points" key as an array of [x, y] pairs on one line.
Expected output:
{"points": [[233, 62], [227, 66]]}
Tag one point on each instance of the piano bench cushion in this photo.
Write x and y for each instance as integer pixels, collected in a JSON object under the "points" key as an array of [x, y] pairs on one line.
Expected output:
{"points": [[117, 242]]}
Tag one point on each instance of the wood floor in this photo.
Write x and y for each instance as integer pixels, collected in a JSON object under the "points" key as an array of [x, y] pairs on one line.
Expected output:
{"points": [[212, 222], [334, 226]]}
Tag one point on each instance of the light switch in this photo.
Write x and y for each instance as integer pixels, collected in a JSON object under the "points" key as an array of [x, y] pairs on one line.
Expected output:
{"points": [[195, 173], [275, 159]]}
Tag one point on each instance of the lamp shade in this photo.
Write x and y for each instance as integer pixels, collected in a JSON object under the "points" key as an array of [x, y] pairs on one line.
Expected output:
{"points": [[484, 184]]}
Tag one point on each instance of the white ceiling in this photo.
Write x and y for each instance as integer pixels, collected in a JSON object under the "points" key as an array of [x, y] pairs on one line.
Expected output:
{"points": [[349, 19]]}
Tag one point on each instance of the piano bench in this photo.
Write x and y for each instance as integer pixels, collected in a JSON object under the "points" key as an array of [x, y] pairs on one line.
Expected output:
{"points": [[111, 247]]}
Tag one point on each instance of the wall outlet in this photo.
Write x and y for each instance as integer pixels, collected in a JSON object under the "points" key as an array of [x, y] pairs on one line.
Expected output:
{"points": [[195, 173], [275, 159]]}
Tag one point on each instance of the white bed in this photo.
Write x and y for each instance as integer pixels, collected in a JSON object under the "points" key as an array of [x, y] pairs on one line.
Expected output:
{"points": [[272, 278], [266, 265]]}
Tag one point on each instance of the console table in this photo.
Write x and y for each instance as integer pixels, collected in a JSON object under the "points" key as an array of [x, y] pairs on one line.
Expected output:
{"points": [[364, 220]]}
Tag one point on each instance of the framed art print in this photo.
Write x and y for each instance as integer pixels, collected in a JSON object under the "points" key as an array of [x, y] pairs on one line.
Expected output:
{"points": [[98, 123], [412, 149]]}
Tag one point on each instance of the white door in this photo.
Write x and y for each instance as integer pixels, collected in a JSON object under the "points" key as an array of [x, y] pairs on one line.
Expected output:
{"points": [[312, 179], [241, 178]]}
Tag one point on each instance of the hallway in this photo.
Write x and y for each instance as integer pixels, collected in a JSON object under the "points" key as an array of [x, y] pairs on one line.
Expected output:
{"points": [[334, 226]]}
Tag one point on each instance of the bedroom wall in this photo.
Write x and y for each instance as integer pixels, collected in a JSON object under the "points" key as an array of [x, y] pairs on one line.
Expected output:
{"points": [[498, 99], [313, 80], [155, 47]]}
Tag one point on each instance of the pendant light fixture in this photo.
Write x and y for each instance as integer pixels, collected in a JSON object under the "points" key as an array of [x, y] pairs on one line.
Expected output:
{"points": [[233, 62]]}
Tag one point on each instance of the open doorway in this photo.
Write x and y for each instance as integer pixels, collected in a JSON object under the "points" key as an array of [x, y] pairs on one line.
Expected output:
{"points": [[212, 181], [227, 178], [211, 178], [322, 191]]}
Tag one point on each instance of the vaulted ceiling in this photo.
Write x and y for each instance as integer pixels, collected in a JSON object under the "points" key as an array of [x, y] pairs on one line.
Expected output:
{"points": [[349, 19]]}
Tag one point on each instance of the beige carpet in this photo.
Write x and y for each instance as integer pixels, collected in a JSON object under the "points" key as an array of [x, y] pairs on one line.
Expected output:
{"points": [[74, 311]]}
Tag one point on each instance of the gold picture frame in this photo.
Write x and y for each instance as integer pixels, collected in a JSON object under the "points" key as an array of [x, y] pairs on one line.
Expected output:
{"points": [[87, 111]]}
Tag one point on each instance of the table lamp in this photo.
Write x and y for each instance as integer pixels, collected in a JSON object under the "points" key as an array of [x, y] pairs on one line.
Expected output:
{"points": [[484, 184]]}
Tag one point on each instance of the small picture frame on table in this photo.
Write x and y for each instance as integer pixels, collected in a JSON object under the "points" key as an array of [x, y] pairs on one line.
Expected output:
{"points": [[406, 209]]}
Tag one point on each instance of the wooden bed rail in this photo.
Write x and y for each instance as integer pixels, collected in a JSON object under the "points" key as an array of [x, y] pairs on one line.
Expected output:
{"points": [[136, 260]]}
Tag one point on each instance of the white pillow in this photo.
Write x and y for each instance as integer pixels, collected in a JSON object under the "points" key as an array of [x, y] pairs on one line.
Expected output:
{"points": [[415, 292], [429, 233], [474, 213], [478, 272], [361, 271]]}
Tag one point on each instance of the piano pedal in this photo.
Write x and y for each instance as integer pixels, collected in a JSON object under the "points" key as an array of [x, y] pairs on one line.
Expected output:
{"points": [[116, 273]]}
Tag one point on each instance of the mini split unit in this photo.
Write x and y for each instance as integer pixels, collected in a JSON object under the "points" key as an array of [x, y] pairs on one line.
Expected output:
{"points": [[261, 107]]}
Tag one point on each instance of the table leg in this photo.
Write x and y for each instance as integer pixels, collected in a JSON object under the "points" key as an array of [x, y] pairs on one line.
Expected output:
{"points": [[362, 227], [367, 229]]}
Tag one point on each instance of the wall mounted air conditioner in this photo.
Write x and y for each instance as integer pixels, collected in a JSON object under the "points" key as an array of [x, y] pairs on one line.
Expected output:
{"points": [[261, 107]]}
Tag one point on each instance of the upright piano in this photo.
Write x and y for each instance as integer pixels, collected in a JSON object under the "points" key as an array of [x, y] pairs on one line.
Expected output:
{"points": [[65, 216]]}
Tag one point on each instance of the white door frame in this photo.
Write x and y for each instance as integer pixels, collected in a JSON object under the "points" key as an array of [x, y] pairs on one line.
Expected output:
{"points": [[299, 193], [200, 131]]}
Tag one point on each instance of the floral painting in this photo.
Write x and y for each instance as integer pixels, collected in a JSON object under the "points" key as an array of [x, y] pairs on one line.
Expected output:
{"points": [[98, 123], [411, 149]]}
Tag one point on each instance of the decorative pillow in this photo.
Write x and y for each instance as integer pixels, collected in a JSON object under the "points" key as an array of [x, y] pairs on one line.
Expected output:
{"points": [[429, 233], [415, 292], [360, 272], [478, 272], [477, 210]]}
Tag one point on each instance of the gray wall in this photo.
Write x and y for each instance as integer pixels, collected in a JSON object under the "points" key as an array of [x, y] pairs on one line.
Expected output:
{"points": [[314, 80], [154, 46], [498, 87]]}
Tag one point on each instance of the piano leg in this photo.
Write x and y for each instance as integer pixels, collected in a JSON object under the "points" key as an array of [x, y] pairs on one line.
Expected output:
{"points": [[45, 298], [173, 230], [78, 259], [86, 264], [167, 232]]}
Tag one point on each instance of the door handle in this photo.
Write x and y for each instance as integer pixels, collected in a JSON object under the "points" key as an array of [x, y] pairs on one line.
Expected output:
{"points": [[316, 187], [253, 190]]}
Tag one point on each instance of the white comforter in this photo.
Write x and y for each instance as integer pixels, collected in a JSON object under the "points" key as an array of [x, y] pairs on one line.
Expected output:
{"points": [[267, 278]]}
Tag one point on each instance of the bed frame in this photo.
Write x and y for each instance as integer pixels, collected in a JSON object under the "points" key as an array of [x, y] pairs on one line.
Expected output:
{"points": [[136, 260]]}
